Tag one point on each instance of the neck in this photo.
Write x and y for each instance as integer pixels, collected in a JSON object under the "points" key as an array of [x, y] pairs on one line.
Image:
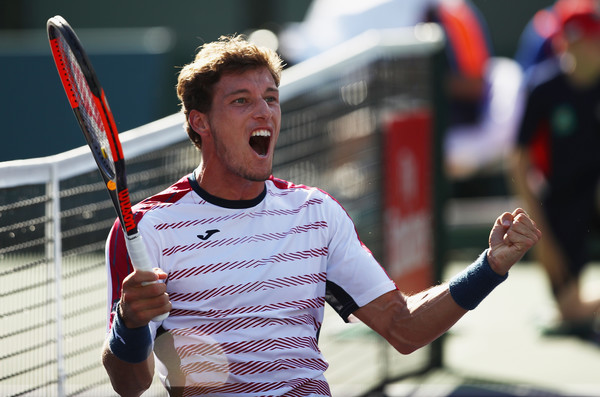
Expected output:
{"points": [[232, 188]]}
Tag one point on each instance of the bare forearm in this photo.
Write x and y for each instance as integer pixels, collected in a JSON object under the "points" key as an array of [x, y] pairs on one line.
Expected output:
{"points": [[429, 314], [436, 310], [126, 378], [412, 322], [409, 323], [433, 312]]}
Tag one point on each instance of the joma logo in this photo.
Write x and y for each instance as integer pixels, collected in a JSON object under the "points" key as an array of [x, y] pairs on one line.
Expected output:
{"points": [[207, 234]]}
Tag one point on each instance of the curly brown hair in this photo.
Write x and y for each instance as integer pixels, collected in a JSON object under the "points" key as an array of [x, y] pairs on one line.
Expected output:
{"points": [[229, 54]]}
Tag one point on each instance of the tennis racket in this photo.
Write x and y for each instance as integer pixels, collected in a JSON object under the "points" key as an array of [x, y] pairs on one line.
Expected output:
{"points": [[95, 118]]}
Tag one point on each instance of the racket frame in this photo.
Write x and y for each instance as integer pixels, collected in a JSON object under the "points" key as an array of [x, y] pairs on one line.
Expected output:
{"points": [[115, 179]]}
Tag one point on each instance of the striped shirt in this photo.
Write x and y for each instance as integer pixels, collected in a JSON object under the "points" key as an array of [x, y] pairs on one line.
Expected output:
{"points": [[248, 281]]}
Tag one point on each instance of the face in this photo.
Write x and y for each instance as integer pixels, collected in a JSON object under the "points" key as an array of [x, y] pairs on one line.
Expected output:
{"points": [[240, 131], [591, 48]]}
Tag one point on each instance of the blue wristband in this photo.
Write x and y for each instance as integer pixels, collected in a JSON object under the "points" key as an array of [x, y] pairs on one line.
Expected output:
{"points": [[472, 285], [132, 345]]}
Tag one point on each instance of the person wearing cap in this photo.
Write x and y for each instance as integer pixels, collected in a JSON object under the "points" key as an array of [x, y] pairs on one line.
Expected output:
{"points": [[556, 166]]}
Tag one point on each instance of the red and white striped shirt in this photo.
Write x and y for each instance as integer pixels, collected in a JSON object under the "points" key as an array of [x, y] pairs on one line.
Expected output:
{"points": [[248, 281]]}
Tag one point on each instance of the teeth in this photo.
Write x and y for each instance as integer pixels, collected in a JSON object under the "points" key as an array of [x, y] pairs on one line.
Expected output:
{"points": [[261, 133]]}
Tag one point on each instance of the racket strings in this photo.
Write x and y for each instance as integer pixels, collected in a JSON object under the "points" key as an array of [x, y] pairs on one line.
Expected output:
{"points": [[88, 106]]}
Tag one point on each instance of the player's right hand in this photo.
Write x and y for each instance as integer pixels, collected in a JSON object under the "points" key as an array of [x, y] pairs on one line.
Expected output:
{"points": [[143, 298]]}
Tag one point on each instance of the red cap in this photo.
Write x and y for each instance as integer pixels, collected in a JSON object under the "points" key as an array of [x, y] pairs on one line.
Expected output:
{"points": [[578, 18]]}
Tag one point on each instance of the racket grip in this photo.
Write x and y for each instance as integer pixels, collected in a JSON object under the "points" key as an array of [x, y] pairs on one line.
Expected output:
{"points": [[141, 260], [138, 254]]}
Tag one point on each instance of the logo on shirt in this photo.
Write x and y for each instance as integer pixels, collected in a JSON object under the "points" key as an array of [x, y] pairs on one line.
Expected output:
{"points": [[207, 234]]}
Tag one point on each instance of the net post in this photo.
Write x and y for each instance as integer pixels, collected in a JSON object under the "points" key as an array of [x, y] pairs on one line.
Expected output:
{"points": [[440, 184], [54, 251]]}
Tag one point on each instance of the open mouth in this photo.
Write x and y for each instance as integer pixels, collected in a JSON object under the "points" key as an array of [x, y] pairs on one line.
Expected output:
{"points": [[259, 141]]}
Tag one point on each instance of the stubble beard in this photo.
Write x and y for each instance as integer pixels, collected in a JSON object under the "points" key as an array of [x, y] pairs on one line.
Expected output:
{"points": [[238, 168]]}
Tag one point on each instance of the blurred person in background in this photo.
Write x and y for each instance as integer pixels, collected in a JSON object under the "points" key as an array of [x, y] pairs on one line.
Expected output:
{"points": [[329, 23], [481, 88], [556, 166], [482, 92], [535, 43]]}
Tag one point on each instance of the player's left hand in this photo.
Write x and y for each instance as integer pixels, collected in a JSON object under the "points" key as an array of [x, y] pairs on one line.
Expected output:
{"points": [[511, 237]]}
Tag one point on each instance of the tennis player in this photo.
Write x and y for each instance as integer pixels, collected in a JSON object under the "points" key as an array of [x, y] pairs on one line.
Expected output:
{"points": [[249, 260]]}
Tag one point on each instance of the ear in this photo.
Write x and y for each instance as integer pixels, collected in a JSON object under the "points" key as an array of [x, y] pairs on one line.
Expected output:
{"points": [[199, 122]]}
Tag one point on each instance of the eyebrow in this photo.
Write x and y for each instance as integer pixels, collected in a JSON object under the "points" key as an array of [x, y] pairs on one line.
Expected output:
{"points": [[245, 91]]}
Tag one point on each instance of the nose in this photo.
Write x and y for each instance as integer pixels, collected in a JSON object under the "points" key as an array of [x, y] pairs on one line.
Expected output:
{"points": [[262, 110]]}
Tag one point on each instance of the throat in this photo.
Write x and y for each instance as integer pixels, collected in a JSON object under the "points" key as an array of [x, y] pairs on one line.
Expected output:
{"points": [[260, 145]]}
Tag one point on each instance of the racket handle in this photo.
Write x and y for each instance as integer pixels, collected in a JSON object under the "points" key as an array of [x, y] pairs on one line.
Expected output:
{"points": [[138, 254], [141, 260]]}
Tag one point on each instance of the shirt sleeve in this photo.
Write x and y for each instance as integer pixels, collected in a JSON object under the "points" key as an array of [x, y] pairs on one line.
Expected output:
{"points": [[354, 277]]}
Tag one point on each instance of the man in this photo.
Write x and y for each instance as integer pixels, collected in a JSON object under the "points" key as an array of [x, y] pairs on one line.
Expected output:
{"points": [[556, 166], [250, 260]]}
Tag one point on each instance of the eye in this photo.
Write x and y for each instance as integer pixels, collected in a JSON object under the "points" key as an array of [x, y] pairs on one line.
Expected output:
{"points": [[240, 100], [271, 99]]}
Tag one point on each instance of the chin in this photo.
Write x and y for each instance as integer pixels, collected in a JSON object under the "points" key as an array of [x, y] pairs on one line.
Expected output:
{"points": [[258, 177]]}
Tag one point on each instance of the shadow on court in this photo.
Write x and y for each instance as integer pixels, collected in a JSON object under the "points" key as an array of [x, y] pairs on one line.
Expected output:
{"points": [[447, 384]]}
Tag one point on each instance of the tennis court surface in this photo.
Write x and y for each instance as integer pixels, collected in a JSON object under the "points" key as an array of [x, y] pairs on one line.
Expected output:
{"points": [[498, 349]]}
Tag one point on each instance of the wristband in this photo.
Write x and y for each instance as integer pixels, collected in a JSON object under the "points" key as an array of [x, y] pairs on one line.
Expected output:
{"points": [[472, 285], [132, 345]]}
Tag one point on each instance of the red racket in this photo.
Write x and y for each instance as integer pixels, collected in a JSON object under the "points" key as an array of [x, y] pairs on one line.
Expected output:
{"points": [[89, 104]]}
